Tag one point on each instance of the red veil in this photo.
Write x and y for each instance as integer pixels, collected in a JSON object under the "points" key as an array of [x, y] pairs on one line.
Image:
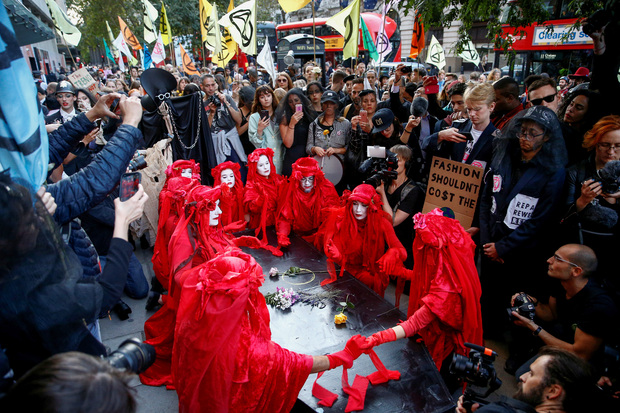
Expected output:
{"points": [[223, 343], [232, 204], [360, 244], [303, 212], [446, 281]]}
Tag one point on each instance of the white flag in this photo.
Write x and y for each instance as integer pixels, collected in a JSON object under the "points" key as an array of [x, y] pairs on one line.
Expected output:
{"points": [[214, 37], [241, 22], [121, 64], [383, 44], [159, 51], [63, 25], [121, 45], [265, 60], [470, 54], [436, 55], [150, 15]]}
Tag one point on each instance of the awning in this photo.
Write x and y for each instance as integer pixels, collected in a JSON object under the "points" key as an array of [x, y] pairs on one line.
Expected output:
{"points": [[29, 28]]}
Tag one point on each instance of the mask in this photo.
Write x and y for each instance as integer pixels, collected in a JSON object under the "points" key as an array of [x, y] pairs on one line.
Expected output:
{"points": [[307, 183], [214, 216], [186, 173]]}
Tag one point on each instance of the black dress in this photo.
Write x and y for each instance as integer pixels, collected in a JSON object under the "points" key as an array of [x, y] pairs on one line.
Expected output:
{"points": [[248, 146], [298, 149]]}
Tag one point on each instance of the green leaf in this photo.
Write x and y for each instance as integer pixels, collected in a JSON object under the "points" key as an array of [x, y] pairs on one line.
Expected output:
{"points": [[350, 305]]}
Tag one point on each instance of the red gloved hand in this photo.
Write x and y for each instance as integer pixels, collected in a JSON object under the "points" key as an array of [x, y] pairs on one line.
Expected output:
{"points": [[351, 352], [379, 338], [389, 260], [332, 251], [283, 240]]}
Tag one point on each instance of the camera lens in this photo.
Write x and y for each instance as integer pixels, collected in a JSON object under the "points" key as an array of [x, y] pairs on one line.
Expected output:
{"points": [[133, 355]]}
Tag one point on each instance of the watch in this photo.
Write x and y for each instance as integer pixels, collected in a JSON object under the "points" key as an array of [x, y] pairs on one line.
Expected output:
{"points": [[537, 331]]}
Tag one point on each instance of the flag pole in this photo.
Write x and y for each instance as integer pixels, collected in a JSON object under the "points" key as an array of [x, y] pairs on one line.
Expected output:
{"points": [[313, 33]]}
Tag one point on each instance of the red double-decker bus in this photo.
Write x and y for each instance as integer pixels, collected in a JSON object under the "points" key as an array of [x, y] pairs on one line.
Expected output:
{"points": [[334, 40]]}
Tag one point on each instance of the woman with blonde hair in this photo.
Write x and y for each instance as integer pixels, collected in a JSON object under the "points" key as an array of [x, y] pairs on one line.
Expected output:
{"points": [[284, 81]]}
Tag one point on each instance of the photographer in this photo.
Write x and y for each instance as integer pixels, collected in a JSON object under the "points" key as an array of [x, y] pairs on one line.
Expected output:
{"points": [[558, 381]]}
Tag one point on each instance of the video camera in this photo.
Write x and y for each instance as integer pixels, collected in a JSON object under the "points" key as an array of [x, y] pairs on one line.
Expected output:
{"points": [[477, 370], [381, 166], [132, 355]]}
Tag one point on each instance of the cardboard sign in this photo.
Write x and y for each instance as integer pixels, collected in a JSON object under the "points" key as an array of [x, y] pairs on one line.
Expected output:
{"points": [[81, 79], [454, 185]]}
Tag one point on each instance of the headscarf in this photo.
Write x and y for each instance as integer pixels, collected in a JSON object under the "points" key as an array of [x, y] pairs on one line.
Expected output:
{"points": [[232, 206], [266, 187]]}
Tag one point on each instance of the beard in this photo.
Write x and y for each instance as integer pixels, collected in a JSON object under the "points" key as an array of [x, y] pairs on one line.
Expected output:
{"points": [[533, 397]]}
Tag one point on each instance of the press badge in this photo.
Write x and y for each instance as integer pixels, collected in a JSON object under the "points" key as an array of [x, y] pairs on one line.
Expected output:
{"points": [[520, 210]]}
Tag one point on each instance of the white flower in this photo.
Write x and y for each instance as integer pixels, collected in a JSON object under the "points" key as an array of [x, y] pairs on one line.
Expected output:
{"points": [[273, 272]]}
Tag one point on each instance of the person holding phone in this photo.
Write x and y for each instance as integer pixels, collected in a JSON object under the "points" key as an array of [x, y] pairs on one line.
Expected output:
{"points": [[263, 129], [294, 115]]}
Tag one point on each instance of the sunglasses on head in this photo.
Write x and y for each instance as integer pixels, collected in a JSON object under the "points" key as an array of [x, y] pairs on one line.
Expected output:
{"points": [[548, 99]]}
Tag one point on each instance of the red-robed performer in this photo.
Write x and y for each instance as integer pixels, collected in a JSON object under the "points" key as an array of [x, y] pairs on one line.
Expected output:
{"points": [[231, 204], [197, 238], [354, 237], [444, 302], [307, 194], [224, 356]]}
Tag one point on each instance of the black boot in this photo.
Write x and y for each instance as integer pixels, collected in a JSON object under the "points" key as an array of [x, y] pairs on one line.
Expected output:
{"points": [[122, 310]]}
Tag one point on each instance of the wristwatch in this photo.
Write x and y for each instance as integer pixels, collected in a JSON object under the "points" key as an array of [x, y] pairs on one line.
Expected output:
{"points": [[537, 331]]}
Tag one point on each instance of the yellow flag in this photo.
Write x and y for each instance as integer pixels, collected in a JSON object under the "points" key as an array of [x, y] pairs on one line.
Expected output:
{"points": [[164, 26], [292, 5], [204, 9], [130, 38], [347, 23], [229, 46], [188, 65]]}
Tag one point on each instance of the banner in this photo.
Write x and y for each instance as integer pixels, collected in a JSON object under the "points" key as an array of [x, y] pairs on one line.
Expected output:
{"points": [[108, 53], [383, 44], [81, 79], [470, 54], [369, 44], [130, 38], [148, 61], [209, 27], [228, 45], [159, 51], [265, 60], [188, 65], [418, 41], [164, 26], [150, 15], [455, 185], [121, 45], [113, 49], [346, 22], [293, 5], [435, 55], [121, 64], [241, 22], [63, 25]]}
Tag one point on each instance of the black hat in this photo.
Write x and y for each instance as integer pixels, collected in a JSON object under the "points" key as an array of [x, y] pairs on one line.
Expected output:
{"points": [[542, 115], [219, 70], [348, 78], [330, 96], [157, 83], [65, 87], [382, 120]]}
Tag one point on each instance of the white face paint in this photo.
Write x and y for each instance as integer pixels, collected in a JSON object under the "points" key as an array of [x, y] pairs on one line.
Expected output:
{"points": [[307, 183], [214, 216], [360, 210], [263, 167], [186, 173], [228, 177]]}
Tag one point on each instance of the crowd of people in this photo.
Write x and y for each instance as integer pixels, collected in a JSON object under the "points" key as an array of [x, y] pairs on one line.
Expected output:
{"points": [[544, 232]]}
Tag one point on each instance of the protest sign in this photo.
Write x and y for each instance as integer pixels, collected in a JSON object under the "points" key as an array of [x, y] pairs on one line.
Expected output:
{"points": [[81, 79]]}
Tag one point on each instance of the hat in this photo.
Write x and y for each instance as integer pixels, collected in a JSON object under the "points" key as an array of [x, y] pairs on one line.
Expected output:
{"points": [[65, 87], [219, 70], [348, 78], [565, 78], [330, 96], [382, 120], [581, 72], [542, 115], [156, 83], [365, 194], [306, 166]]}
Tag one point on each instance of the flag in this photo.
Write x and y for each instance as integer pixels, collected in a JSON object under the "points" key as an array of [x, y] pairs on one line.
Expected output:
{"points": [[470, 54], [121, 45], [209, 26], [164, 26], [107, 51], [24, 148], [265, 60], [188, 65], [113, 49], [417, 40], [384, 46], [121, 64], [347, 23], [150, 15], [148, 61], [369, 44], [435, 55], [159, 51], [228, 47], [241, 22], [63, 25], [130, 38], [293, 5]]}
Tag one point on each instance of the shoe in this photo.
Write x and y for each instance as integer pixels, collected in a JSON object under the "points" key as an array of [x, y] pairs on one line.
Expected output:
{"points": [[122, 310], [512, 365], [152, 303]]}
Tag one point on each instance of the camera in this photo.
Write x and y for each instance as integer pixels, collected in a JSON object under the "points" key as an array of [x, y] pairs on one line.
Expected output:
{"points": [[380, 169], [215, 100], [596, 22], [138, 162], [132, 355], [609, 177], [406, 70], [477, 370], [524, 306]]}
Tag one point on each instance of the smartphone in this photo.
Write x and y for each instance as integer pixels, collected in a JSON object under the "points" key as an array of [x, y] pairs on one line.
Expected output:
{"points": [[130, 183], [363, 116], [299, 107], [114, 105], [467, 135], [264, 114]]}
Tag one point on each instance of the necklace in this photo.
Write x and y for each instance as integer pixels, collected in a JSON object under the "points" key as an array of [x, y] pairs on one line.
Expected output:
{"points": [[176, 132]]}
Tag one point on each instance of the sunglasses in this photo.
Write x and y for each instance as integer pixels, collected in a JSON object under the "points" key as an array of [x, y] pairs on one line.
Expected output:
{"points": [[548, 99]]}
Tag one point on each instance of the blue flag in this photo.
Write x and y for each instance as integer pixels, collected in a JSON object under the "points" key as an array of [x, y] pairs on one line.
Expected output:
{"points": [[107, 51], [23, 138], [148, 62]]}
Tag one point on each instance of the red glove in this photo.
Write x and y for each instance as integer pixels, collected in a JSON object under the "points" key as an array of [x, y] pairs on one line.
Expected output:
{"points": [[283, 241], [351, 352], [420, 319], [389, 260], [332, 251], [379, 338]]}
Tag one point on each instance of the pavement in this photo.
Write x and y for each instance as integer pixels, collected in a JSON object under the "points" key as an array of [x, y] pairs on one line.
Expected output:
{"points": [[159, 400]]}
